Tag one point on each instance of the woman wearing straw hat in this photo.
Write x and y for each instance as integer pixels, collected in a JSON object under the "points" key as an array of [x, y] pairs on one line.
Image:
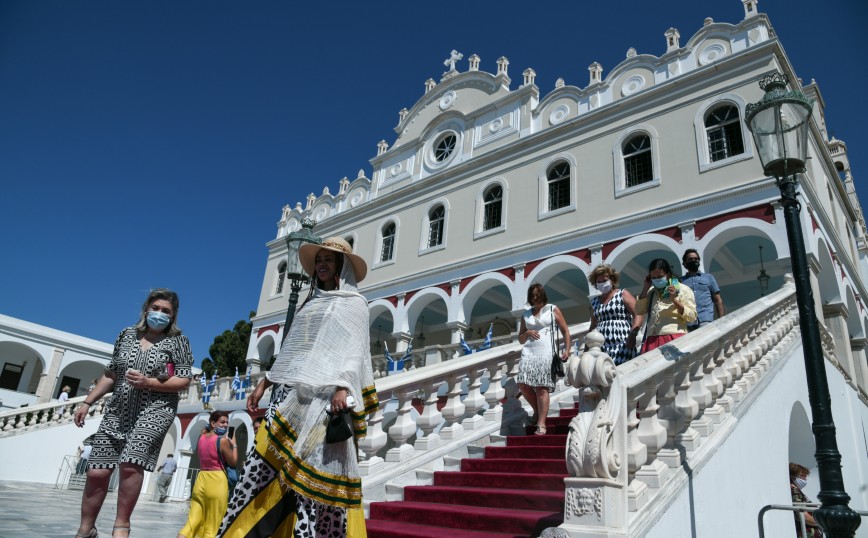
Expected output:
{"points": [[295, 483]]}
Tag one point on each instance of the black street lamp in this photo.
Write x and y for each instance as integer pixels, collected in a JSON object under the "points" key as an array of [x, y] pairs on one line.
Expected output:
{"points": [[779, 124], [294, 271]]}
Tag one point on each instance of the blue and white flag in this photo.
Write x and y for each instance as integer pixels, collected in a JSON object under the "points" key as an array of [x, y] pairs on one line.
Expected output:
{"points": [[393, 365], [246, 384], [206, 394], [236, 386], [487, 343], [467, 349]]}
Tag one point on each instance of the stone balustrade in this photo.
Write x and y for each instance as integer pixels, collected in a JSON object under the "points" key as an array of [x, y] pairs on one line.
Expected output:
{"points": [[640, 423], [35, 417]]}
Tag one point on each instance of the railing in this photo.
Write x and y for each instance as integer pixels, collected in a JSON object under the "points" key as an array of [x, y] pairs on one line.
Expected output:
{"points": [[67, 467], [640, 422], [427, 413], [798, 508], [181, 486], [35, 417]]}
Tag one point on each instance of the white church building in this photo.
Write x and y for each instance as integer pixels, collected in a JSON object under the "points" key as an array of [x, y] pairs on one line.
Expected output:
{"points": [[491, 184]]}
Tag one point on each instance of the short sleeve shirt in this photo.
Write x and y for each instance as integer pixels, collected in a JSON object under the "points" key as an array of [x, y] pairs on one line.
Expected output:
{"points": [[169, 466], [704, 287]]}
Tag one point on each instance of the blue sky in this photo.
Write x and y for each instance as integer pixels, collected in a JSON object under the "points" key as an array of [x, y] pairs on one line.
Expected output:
{"points": [[148, 144]]}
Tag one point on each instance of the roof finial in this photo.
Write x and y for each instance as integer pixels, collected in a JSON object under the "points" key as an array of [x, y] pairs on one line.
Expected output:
{"points": [[454, 56]]}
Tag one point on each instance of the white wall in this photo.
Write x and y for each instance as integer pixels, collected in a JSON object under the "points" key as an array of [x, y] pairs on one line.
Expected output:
{"points": [[750, 471]]}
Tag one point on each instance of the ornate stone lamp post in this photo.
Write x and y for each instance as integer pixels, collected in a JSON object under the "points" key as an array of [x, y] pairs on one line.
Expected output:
{"points": [[294, 272], [779, 124]]}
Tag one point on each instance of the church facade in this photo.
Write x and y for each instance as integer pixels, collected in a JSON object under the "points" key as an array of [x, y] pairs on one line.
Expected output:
{"points": [[491, 185]]}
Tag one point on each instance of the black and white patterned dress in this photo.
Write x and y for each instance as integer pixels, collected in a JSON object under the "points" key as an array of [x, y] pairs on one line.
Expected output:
{"points": [[535, 367], [136, 421], [614, 322]]}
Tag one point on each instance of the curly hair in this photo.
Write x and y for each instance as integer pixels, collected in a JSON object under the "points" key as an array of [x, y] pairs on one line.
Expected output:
{"points": [[605, 270]]}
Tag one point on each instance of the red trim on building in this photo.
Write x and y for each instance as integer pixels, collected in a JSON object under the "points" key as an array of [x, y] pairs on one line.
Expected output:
{"points": [[609, 247], [509, 273], [447, 287], [530, 266], [582, 254], [408, 295], [393, 300], [765, 212], [275, 328], [464, 282], [813, 221]]}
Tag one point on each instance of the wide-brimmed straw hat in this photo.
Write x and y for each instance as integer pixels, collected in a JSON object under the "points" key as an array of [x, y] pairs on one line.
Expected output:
{"points": [[307, 256]]}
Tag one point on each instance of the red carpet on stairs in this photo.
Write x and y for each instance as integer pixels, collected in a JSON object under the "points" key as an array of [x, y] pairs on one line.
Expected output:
{"points": [[514, 491]]}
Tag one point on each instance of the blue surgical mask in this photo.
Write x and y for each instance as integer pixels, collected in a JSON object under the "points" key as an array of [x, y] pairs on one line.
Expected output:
{"points": [[800, 483], [220, 431], [659, 283], [158, 320]]}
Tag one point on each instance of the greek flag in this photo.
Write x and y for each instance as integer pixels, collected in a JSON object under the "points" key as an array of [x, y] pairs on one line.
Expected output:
{"points": [[394, 366], [467, 349], [236, 386], [206, 396], [487, 343]]}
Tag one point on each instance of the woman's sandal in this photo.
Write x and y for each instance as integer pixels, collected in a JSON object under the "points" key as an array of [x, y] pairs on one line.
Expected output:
{"points": [[92, 534], [540, 430], [120, 529]]}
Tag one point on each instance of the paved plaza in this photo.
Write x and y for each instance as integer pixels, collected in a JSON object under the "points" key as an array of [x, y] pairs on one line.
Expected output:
{"points": [[40, 511]]}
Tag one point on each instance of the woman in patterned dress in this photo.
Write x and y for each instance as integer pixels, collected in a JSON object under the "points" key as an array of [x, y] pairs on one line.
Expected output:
{"points": [[294, 483], [150, 365], [613, 314], [534, 369]]}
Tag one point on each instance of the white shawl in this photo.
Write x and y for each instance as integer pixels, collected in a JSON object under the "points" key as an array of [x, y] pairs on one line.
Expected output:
{"points": [[329, 342]]}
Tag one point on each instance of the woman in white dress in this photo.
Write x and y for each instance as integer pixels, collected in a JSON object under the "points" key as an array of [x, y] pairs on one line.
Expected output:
{"points": [[534, 371]]}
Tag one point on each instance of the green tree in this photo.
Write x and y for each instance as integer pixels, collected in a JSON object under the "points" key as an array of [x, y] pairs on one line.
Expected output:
{"points": [[229, 349]]}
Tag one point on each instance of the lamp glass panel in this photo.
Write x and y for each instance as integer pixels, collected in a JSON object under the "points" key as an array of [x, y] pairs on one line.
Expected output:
{"points": [[293, 264]]}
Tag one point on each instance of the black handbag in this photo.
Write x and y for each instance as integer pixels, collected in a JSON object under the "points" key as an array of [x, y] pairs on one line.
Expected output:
{"points": [[338, 427], [557, 364]]}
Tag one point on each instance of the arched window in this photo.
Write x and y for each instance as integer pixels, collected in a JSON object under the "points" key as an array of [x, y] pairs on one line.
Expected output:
{"points": [[436, 220], [638, 166], [559, 185], [388, 249], [492, 207], [723, 131], [281, 277]]}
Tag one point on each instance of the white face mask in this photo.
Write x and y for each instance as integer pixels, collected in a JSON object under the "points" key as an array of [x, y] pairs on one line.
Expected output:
{"points": [[800, 482], [605, 286]]}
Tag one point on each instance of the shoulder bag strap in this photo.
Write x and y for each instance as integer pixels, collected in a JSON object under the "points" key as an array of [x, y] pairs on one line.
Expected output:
{"points": [[555, 337], [220, 455], [651, 295]]}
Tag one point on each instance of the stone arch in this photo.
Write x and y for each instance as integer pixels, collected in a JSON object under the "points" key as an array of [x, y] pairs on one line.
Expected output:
{"points": [[32, 365], [382, 315], [631, 258], [82, 370], [266, 348], [855, 316], [566, 283], [801, 439], [730, 252], [427, 312], [489, 297], [828, 277]]}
